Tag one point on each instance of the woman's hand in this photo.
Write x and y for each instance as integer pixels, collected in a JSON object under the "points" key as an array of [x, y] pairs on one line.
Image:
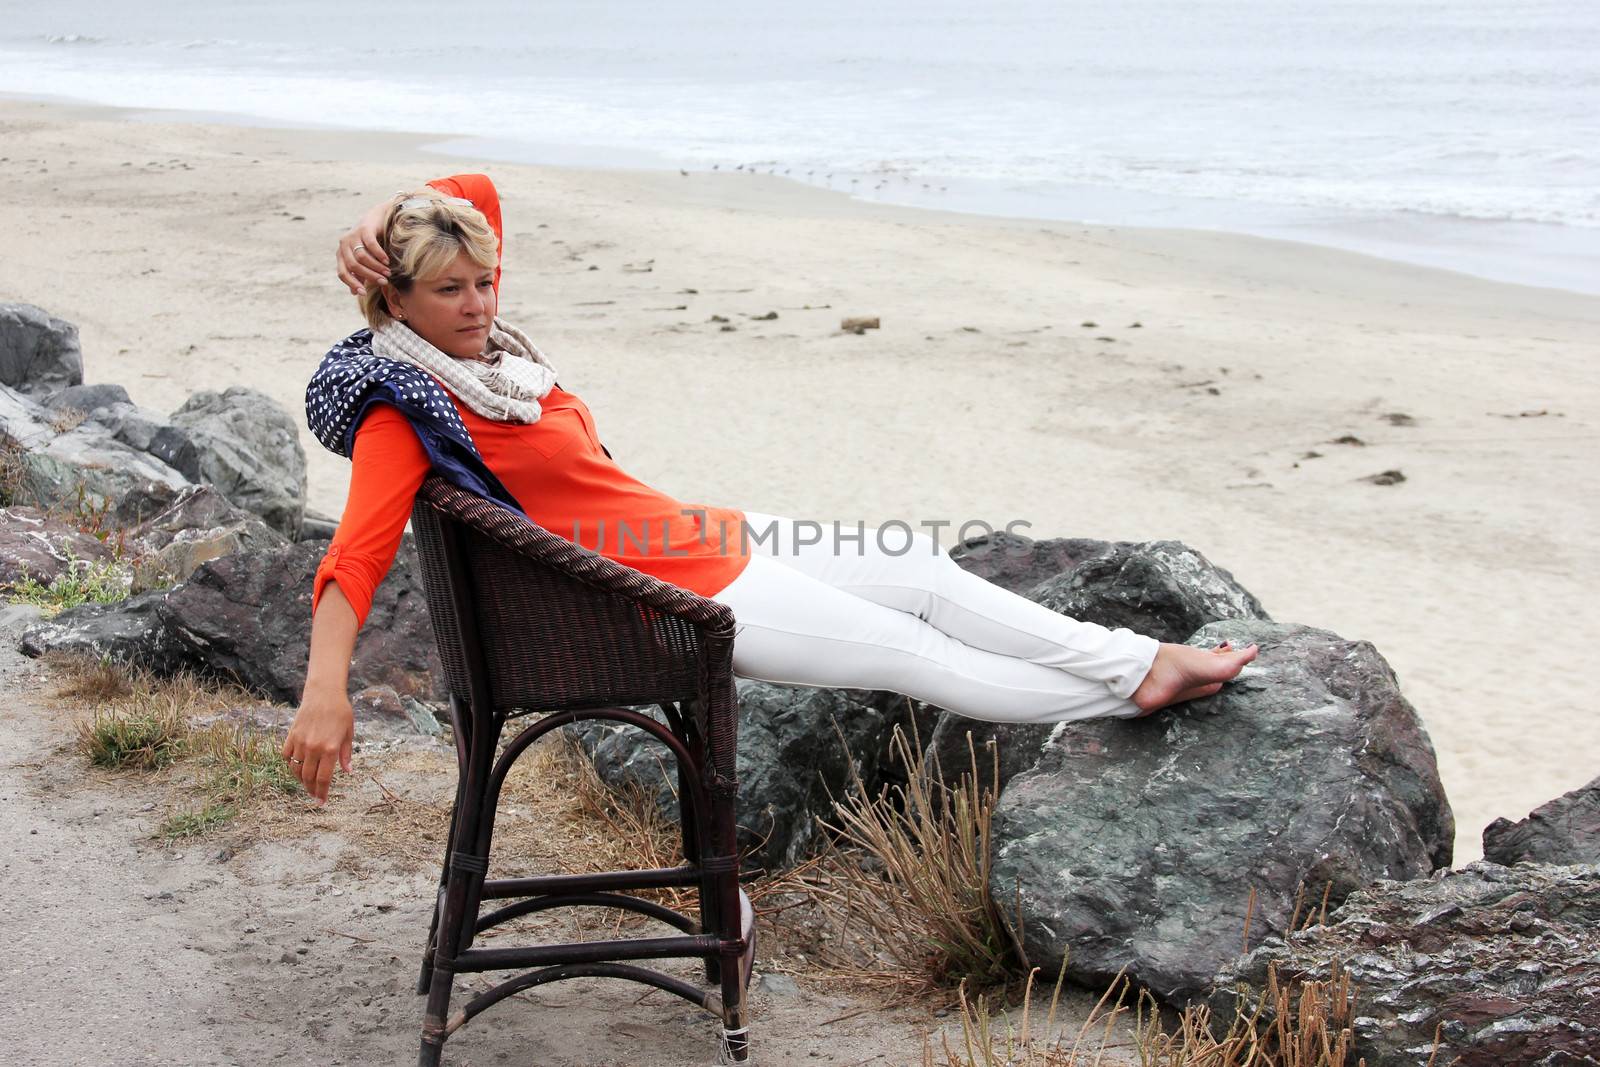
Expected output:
{"points": [[360, 256], [323, 731]]}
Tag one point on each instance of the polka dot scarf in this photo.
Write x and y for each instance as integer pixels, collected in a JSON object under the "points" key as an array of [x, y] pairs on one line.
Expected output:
{"points": [[352, 378]]}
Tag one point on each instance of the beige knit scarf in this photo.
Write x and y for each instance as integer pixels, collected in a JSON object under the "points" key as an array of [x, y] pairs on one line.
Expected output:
{"points": [[506, 385]]}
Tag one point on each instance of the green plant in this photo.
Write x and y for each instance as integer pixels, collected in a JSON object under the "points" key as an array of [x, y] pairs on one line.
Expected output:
{"points": [[241, 764], [84, 581], [195, 822], [911, 863], [93, 516], [145, 738]]}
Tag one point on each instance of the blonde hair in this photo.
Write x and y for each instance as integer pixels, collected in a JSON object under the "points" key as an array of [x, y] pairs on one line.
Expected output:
{"points": [[422, 240]]}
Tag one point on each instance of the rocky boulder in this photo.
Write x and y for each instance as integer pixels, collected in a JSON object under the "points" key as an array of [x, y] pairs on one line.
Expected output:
{"points": [[86, 399], [247, 616], [53, 458], [1566, 830], [1020, 563], [1137, 843], [197, 526], [1503, 963], [39, 353], [41, 547], [148, 431], [381, 713], [383, 718], [248, 446], [1163, 589], [131, 631], [792, 761]]}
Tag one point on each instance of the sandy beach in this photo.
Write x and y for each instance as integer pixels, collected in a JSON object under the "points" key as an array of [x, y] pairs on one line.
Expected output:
{"points": [[1125, 384]]}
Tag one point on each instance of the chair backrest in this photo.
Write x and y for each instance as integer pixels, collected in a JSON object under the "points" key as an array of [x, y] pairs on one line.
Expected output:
{"points": [[548, 625]]}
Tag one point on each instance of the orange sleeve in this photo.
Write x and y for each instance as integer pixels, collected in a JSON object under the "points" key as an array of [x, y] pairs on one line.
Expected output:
{"points": [[388, 465], [486, 198]]}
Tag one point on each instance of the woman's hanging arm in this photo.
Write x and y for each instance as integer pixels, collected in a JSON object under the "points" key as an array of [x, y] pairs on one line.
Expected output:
{"points": [[324, 727], [389, 465]]}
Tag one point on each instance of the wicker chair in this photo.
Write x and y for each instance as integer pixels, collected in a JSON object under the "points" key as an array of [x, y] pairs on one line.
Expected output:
{"points": [[528, 621]]}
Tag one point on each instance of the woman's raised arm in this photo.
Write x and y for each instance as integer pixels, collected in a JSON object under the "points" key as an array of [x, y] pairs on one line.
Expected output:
{"points": [[360, 258]]}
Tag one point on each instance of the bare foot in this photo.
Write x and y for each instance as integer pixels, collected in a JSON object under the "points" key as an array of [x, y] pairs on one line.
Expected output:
{"points": [[1183, 672]]}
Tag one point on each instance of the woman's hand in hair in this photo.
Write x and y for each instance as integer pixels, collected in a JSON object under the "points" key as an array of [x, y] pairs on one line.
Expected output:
{"points": [[360, 256]]}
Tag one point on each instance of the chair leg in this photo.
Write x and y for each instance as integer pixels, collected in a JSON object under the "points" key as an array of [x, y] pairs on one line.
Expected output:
{"points": [[425, 979], [443, 970], [736, 967], [689, 818], [735, 928], [464, 873]]}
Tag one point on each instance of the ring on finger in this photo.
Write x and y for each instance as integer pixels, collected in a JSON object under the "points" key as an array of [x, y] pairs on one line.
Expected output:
{"points": [[294, 759]]}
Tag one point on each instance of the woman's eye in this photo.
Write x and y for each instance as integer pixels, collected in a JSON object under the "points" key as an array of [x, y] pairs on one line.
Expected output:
{"points": [[487, 283], [448, 289]]}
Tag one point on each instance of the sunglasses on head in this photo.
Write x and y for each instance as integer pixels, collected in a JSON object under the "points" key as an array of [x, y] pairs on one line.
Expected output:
{"points": [[424, 201]]}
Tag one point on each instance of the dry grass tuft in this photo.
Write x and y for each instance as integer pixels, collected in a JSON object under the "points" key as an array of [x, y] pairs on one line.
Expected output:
{"points": [[908, 875], [86, 680], [1295, 1024], [196, 822], [144, 722], [241, 764], [140, 738], [16, 483], [139, 721]]}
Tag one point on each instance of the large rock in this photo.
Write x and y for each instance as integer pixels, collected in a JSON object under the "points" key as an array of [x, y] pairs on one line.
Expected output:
{"points": [[792, 761], [1136, 843], [85, 399], [197, 526], [132, 631], [1019, 563], [248, 446], [1505, 960], [1566, 830], [1163, 589], [148, 431], [247, 616], [39, 354], [41, 547], [50, 460]]}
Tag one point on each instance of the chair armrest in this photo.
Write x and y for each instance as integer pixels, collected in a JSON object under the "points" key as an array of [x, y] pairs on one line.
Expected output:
{"points": [[533, 541]]}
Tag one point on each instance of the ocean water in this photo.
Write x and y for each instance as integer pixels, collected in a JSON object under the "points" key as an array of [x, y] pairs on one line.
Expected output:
{"points": [[1459, 133]]}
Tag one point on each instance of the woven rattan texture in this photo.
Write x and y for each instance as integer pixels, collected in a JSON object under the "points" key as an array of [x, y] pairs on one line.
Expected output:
{"points": [[562, 627]]}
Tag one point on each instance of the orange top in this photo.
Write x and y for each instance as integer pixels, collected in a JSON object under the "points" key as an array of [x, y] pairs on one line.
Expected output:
{"points": [[555, 467]]}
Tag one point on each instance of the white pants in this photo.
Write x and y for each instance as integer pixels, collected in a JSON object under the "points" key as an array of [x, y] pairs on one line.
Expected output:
{"points": [[863, 615]]}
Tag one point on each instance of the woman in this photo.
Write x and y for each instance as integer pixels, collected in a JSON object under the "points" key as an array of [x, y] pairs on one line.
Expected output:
{"points": [[441, 383]]}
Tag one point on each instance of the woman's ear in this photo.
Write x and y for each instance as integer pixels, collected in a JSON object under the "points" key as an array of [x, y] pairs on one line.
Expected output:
{"points": [[391, 299]]}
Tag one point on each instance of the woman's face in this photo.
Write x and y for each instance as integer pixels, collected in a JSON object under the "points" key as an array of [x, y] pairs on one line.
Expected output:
{"points": [[452, 310]]}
